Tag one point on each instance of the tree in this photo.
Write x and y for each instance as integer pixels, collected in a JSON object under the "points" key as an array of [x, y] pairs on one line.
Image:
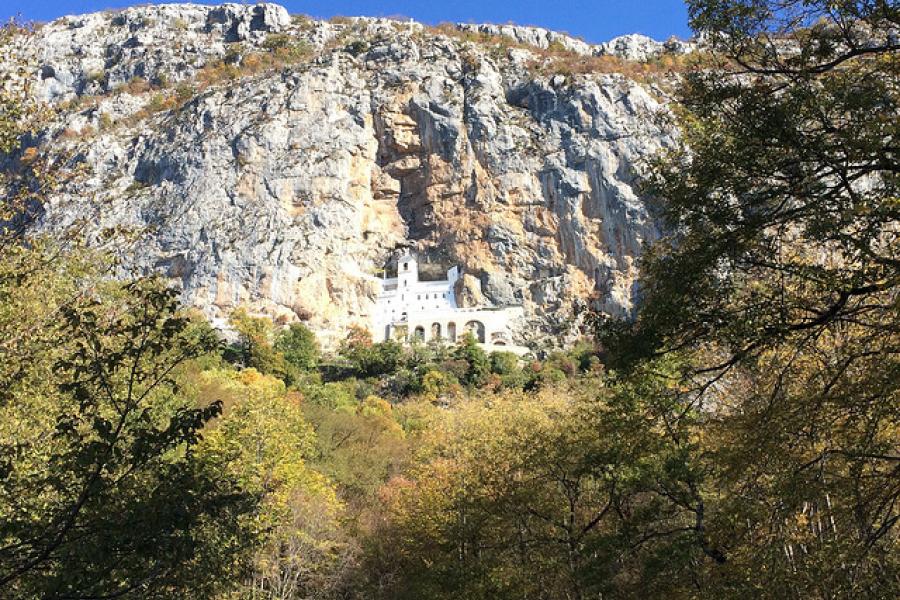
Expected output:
{"points": [[358, 449], [101, 492], [265, 443], [299, 346], [548, 495], [368, 359], [478, 367], [778, 274]]}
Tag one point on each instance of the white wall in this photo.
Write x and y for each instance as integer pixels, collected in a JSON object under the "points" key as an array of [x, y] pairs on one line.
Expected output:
{"points": [[431, 306]]}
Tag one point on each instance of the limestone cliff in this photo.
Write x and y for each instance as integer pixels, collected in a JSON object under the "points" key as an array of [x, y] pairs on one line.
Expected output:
{"points": [[277, 162]]}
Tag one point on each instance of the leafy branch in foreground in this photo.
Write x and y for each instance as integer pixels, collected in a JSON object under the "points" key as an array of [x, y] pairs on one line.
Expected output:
{"points": [[102, 494], [779, 274]]}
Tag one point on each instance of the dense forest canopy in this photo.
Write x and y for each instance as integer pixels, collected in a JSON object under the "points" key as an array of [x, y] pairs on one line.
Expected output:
{"points": [[739, 438]]}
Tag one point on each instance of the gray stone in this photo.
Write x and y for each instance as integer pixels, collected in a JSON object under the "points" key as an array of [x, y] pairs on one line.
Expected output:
{"points": [[287, 190]]}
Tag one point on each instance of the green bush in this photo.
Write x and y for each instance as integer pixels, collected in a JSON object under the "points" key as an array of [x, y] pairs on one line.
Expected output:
{"points": [[276, 40]]}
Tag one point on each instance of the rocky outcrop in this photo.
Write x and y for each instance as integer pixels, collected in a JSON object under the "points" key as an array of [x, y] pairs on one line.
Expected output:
{"points": [[638, 47], [237, 22], [286, 186], [633, 47]]}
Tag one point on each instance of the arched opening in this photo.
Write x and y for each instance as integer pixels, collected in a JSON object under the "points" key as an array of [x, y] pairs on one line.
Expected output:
{"points": [[451, 332], [476, 328], [435, 331], [419, 333]]}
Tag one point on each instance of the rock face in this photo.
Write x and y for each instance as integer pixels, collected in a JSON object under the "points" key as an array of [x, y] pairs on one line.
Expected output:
{"points": [[287, 186], [634, 46]]}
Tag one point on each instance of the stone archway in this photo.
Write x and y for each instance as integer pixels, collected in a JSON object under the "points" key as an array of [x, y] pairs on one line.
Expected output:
{"points": [[476, 328], [451, 331], [419, 333], [435, 331]]}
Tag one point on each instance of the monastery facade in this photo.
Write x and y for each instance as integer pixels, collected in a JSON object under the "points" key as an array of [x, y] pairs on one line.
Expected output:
{"points": [[409, 309]]}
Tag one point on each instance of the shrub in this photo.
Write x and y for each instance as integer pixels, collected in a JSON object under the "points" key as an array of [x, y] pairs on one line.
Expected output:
{"points": [[106, 121], [95, 76], [184, 92], [137, 85], [436, 383], [504, 363], [276, 40], [159, 103], [357, 47]]}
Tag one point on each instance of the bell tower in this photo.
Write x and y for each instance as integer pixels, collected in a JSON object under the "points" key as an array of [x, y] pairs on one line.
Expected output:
{"points": [[407, 271]]}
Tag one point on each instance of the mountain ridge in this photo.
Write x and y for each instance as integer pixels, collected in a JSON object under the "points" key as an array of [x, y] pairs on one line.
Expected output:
{"points": [[277, 163]]}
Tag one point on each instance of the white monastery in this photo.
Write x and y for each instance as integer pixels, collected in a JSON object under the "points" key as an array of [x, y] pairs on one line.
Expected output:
{"points": [[409, 309]]}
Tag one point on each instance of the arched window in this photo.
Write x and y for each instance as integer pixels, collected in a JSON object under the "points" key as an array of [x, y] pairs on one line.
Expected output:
{"points": [[435, 331], [476, 328], [451, 332], [419, 333]]}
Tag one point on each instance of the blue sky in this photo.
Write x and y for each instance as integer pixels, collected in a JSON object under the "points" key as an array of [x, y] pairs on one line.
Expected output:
{"points": [[594, 20]]}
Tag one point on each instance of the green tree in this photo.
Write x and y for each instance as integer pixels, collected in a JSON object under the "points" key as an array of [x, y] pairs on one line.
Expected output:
{"points": [[254, 348], [101, 493], [549, 495], [368, 359], [477, 365], [265, 442], [778, 273], [299, 346]]}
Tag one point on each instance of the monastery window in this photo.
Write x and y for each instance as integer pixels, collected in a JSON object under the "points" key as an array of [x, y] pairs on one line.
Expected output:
{"points": [[419, 333], [451, 331], [476, 328], [406, 266]]}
